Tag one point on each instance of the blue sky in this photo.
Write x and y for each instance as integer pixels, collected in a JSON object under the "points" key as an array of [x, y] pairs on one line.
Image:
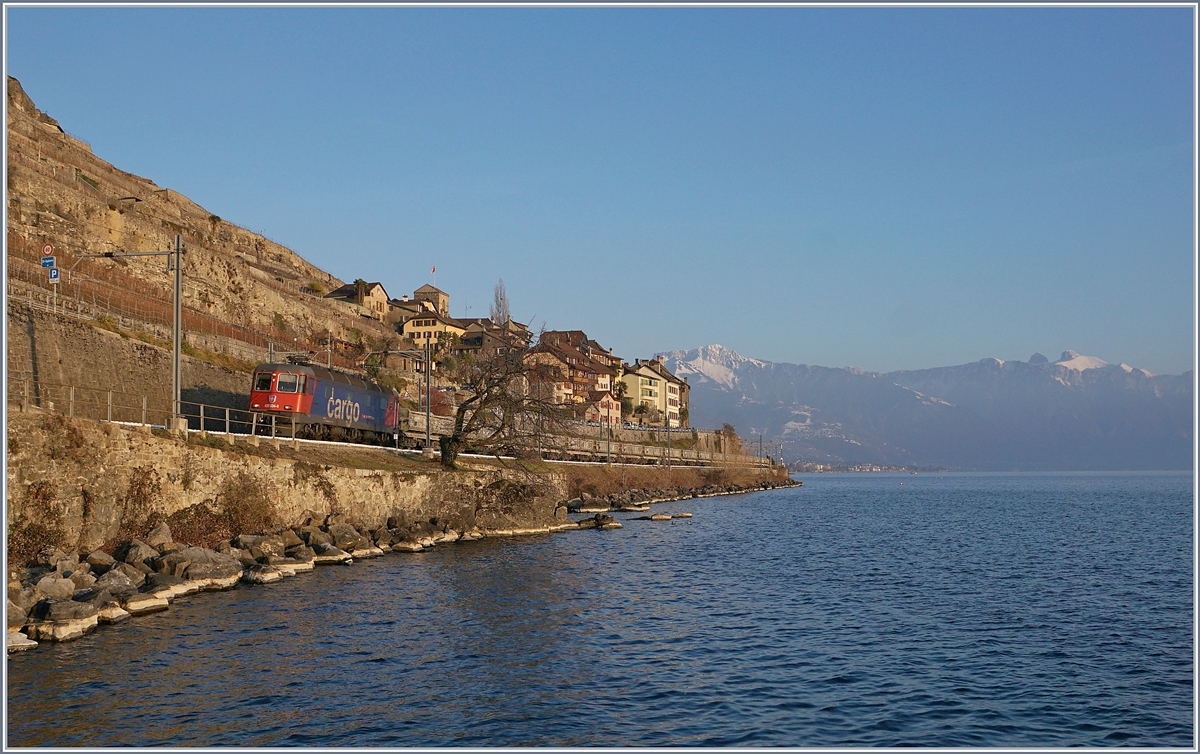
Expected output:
{"points": [[889, 188]]}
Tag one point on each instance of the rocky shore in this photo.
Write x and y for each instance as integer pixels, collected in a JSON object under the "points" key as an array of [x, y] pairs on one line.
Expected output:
{"points": [[62, 596]]}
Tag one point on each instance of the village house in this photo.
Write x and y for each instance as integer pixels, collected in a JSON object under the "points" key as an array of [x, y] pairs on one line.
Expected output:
{"points": [[603, 407], [578, 379], [663, 396], [483, 338], [370, 298], [433, 329], [403, 309]]}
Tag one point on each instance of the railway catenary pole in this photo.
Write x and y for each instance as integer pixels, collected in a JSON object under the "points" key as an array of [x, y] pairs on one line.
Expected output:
{"points": [[176, 381], [174, 258]]}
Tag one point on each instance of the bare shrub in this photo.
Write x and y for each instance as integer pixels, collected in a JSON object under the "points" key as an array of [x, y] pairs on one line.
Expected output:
{"points": [[64, 439], [247, 507], [39, 524], [141, 506], [199, 525]]}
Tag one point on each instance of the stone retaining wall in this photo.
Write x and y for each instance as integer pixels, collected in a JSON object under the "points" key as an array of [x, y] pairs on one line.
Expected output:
{"points": [[51, 348], [86, 476]]}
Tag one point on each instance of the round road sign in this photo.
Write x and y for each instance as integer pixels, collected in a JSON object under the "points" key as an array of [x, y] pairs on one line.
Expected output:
{"points": [[48, 249]]}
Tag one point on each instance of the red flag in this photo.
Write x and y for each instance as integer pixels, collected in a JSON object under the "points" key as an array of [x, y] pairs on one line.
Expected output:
{"points": [[434, 270]]}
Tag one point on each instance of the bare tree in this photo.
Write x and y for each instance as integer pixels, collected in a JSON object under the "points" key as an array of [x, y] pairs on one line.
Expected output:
{"points": [[510, 405], [500, 313]]}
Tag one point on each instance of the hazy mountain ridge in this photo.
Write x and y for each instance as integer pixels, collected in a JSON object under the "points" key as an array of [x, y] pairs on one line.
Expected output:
{"points": [[990, 414]]}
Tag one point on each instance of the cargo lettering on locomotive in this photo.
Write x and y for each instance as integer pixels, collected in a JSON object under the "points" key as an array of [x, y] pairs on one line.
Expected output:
{"points": [[343, 409]]}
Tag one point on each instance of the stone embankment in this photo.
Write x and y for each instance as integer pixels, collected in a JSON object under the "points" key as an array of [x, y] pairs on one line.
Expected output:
{"points": [[641, 499], [62, 596]]}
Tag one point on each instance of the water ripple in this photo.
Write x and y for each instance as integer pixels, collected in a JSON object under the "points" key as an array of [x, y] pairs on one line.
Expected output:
{"points": [[966, 610]]}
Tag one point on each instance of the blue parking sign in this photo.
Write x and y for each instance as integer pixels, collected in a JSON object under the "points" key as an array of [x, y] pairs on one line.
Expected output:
{"points": [[54, 273]]}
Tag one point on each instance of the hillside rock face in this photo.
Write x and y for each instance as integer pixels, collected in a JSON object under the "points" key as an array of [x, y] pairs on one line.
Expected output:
{"points": [[60, 193], [988, 415]]}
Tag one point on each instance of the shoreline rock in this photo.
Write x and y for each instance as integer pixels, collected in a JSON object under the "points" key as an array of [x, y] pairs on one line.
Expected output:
{"points": [[62, 597]]}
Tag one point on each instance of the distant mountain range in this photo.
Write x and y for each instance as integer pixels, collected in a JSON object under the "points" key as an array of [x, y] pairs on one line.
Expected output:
{"points": [[1078, 413]]}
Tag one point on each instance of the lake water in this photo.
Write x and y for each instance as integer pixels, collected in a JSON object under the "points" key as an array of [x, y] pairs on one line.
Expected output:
{"points": [[945, 610]]}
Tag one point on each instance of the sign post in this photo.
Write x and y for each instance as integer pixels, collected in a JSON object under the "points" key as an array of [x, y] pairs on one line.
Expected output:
{"points": [[51, 265]]}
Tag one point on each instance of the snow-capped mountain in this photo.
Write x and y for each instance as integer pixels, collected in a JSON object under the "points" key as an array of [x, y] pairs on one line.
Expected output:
{"points": [[1080, 412], [715, 363]]}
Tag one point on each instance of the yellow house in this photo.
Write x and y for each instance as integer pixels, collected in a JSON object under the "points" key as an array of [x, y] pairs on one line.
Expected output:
{"points": [[434, 329], [650, 384]]}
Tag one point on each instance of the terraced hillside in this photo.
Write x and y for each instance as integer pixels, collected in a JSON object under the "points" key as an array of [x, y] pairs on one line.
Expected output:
{"points": [[241, 290]]}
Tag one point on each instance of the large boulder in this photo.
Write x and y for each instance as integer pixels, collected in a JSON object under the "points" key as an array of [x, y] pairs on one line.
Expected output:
{"points": [[345, 537], [56, 587], [137, 576], [328, 554], [62, 620], [290, 539], [262, 574], [173, 566], [213, 571], [108, 606], [140, 603], [96, 596], [63, 610], [117, 584], [49, 556], [82, 579], [246, 541], [314, 536], [16, 615], [100, 561], [68, 565], [160, 535], [135, 552], [116, 578], [26, 596], [301, 553], [161, 582], [273, 545], [199, 564]]}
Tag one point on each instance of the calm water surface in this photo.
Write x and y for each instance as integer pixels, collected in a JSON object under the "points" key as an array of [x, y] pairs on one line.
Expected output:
{"points": [[950, 610]]}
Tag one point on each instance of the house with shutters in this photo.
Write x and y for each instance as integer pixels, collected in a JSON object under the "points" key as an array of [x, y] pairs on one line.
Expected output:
{"points": [[483, 338], [657, 395], [371, 299], [433, 329]]}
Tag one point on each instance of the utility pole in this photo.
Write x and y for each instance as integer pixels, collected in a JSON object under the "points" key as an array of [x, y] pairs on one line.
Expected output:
{"points": [[428, 369], [608, 421], [668, 450]]}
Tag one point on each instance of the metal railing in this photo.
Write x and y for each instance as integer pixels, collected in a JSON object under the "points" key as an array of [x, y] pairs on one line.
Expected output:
{"points": [[97, 404]]}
